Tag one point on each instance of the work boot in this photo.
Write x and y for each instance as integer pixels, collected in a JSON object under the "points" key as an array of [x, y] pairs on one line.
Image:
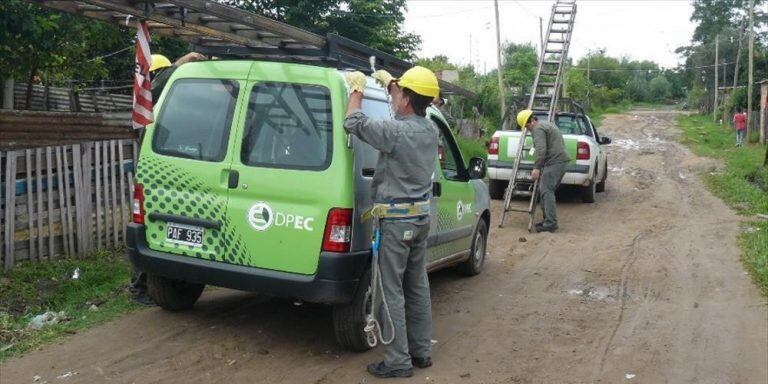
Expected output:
{"points": [[546, 227], [421, 362], [381, 370]]}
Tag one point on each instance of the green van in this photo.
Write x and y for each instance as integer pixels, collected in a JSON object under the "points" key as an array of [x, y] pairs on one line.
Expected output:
{"points": [[247, 180]]}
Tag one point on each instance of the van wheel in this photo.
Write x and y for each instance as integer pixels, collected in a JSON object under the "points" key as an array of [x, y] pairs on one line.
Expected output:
{"points": [[588, 192], [173, 295], [496, 189], [349, 319], [474, 265]]}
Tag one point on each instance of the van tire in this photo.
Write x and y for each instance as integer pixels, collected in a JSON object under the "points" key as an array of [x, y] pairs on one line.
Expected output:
{"points": [[601, 185], [349, 319], [173, 295], [474, 264], [496, 189]]}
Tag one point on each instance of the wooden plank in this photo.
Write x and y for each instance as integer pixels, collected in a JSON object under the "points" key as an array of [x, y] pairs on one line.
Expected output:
{"points": [[40, 213], [62, 205], [49, 173], [68, 204], [2, 210], [105, 174], [123, 220], [10, 205], [30, 198], [97, 179], [77, 173], [88, 193], [113, 187]]}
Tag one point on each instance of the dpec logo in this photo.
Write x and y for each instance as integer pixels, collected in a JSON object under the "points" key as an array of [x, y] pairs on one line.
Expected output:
{"points": [[260, 216]]}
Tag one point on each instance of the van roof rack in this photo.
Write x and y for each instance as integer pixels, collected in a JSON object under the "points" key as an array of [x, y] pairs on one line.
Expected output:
{"points": [[221, 30]]}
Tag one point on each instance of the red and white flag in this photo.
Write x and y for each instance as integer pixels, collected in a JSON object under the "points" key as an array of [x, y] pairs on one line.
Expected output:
{"points": [[142, 86]]}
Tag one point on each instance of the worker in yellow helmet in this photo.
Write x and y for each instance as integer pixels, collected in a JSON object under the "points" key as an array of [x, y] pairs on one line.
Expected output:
{"points": [[403, 180], [162, 69], [551, 160]]}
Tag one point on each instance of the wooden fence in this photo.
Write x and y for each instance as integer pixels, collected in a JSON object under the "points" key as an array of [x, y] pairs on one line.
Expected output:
{"points": [[65, 200]]}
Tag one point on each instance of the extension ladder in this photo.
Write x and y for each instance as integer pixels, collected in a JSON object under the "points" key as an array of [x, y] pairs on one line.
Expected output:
{"points": [[545, 94]]}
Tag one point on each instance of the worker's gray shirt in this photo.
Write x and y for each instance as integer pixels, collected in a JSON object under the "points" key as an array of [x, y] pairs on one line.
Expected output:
{"points": [[549, 145], [407, 154]]}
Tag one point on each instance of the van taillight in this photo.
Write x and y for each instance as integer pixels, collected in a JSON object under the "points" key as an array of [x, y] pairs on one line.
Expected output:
{"points": [[138, 203], [582, 151], [493, 147], [338, 230]]}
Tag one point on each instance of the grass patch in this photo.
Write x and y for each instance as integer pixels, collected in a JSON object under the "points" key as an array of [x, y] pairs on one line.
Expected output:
{"points": [[472, 147], [31, 289], [743, 185]]}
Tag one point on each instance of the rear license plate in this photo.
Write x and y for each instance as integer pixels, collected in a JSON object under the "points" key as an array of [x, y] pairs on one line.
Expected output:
{"points": [[185, 234], [524, 175]]}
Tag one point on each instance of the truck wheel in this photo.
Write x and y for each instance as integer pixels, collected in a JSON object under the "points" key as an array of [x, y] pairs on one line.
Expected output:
{"points": [[474, 265], [588, 192], [496, 189], [349, 319], [173, 295]]}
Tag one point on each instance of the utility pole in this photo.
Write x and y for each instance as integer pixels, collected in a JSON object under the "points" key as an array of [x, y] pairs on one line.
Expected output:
{"points": [[502, 109], [751, 65], [717, 51], [725, 111]]}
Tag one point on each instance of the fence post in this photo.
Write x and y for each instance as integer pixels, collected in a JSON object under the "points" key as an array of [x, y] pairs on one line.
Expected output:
{"points": [[8, 94]]}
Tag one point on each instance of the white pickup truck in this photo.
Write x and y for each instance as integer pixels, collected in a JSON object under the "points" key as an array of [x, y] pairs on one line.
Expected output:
{"points": [[587, 170]]}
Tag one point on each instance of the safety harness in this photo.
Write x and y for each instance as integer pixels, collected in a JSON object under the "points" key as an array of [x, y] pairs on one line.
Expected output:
{"points": [[379, 212]]}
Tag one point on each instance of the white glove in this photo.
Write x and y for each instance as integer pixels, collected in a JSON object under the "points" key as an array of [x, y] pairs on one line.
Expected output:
{"points": [[355, 81], [383, 78]]}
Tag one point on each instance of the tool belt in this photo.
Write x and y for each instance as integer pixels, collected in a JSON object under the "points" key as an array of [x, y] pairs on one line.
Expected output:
{"points": [[397, 211]]}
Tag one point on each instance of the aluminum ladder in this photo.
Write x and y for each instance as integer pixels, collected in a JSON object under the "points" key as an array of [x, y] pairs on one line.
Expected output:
{"points": [[545, 94]]}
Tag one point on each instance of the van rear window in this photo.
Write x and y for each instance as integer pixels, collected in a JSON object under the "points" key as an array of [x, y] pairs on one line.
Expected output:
{"points": [[288, 126], [196, 119]]}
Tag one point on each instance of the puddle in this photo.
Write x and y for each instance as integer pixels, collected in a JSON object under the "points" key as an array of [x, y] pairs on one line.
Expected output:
{"points": [[598, 293], [647, 145]]}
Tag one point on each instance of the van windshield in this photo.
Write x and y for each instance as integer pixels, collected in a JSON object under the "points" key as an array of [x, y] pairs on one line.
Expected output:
{"points": [[288, 126], [567, 124], [195, 120]]}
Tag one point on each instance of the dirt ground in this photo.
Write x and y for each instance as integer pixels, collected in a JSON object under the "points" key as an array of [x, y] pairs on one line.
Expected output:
{"points": [[644, 286]]}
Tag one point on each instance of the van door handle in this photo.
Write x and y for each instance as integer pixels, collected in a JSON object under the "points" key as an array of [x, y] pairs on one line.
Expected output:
{"points": [[234, 178]]}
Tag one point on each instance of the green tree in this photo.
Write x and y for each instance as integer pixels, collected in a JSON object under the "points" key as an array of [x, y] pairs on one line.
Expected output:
{"points": [[660, 89], [376, 23]]}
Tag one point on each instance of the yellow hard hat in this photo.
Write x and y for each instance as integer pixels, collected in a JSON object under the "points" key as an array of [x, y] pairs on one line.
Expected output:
{"points": [[421, 81], [159, 61], [523, 116]]}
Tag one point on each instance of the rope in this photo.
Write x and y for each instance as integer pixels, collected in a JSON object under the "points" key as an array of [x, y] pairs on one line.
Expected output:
{"points": [[372, 327]]}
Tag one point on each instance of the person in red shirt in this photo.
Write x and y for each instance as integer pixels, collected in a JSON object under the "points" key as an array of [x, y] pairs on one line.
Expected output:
{"points": [[740, 123]]}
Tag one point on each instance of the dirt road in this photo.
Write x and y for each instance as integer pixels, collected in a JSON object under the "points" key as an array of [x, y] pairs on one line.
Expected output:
{"points": [[644, 286]]}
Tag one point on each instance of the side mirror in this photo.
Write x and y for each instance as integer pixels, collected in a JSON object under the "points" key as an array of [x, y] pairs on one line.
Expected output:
{"points": [[605, 140], [476, 168]]}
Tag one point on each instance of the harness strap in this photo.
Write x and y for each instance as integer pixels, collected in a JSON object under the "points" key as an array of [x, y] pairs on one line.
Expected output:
{"points": [[397, 211]]}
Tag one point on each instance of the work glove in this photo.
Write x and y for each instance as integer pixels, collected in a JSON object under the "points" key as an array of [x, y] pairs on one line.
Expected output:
{"points": [[355, 81], [382, 77]]}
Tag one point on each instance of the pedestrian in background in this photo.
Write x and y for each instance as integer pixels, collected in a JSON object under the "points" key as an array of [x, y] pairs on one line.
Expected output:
{"points": [[740, 124]]}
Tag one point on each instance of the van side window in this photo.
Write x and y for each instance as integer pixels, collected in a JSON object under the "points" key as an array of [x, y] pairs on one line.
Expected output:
{"points": [[195, 120], [288, 126], [450, 160]]}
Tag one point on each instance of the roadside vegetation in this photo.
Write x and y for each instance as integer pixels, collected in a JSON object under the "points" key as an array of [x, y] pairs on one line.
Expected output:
{"points": [[742, 184], [70, 294]]}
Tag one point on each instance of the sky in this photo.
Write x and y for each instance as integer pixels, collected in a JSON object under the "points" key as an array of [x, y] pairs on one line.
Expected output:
{"points": [[465, 30]]}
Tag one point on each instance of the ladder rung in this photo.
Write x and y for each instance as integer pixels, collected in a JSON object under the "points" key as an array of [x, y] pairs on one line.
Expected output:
{"points": [[518, 210], [551, 62], [563, 12], [541, 97], [561, 21], [549, 73], [548, 85], [553, 51], [556, 41], [560, 30]]}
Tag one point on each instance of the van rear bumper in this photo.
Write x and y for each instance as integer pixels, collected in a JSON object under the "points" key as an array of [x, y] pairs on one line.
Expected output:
{"points": [[335, 281]]}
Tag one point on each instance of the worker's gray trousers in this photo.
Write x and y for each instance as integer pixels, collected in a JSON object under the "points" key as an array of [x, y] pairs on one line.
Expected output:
{"points": [[403, 261], [550, 178]]}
